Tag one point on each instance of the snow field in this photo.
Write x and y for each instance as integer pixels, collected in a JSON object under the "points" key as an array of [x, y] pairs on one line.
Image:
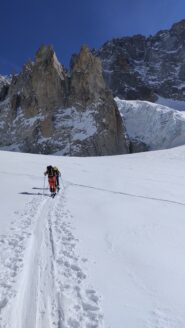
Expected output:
{"points": [[40, 273], [106, 252]]}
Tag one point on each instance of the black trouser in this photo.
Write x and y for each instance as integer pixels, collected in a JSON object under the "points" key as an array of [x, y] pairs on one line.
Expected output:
{"points": [[57, 180]]}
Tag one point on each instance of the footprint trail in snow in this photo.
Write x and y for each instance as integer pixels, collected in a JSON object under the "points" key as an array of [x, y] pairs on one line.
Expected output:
{"points": [[42, 284], [81, 304]]}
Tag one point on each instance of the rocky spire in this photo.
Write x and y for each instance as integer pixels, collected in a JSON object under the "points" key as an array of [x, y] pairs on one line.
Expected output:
{"points": [[50, 111], [41, 84], [87, 82]]}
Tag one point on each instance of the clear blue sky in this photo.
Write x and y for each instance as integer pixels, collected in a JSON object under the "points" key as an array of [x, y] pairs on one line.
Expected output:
{"points": [[67, 24]]}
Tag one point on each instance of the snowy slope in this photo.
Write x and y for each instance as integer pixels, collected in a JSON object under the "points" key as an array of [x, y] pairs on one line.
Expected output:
{"points": [[158, 126], [108, 251], [4, 80]]}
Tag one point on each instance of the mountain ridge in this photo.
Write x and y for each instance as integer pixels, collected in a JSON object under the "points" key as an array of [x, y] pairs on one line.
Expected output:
{"points": [[44, 110], [48, 109], [140, 67]]}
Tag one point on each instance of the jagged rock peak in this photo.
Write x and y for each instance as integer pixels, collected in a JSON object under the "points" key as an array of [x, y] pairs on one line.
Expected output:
{"points": [[44, 53], [46, 56], [87, 81], [140, 67], [176, 29], [85, 61], [47, 111], [179, 26], [41, 86]]}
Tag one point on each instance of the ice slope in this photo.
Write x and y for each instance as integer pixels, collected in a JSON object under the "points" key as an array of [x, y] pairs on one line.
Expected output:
{"points": [[108, 251], [158, 126]]}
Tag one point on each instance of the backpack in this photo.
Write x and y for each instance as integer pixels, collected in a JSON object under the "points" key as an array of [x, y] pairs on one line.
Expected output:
{"points": [[56, 171], [50, 171]]}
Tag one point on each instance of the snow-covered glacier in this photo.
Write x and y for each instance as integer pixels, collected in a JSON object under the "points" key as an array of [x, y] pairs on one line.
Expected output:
{"points": [[158, 126], [107, 252]]}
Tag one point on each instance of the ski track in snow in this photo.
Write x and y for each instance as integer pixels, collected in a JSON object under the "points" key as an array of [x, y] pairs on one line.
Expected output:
{"points": [[42, 284], [12, 248]]}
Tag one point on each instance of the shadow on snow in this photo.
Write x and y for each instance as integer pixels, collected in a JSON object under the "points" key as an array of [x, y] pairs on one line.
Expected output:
{"points": [[33, 193]]}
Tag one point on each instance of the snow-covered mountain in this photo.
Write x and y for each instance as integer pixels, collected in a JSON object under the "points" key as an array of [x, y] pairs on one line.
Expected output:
{"points": [[155, 125], [108, 251], [140, 67], [47, 110]]}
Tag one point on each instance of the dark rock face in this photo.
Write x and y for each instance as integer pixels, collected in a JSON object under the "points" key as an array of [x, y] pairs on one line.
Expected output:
{"points": [[137, 146], [88, 91], [4, 87], [46, 110], [139, 67]]}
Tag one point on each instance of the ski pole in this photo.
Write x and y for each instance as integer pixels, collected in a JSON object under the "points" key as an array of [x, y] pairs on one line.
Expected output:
{"points": [[44, 185], [61, 182]]}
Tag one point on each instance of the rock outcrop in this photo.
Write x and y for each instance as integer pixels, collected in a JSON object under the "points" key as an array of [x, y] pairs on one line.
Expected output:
{"points": [[46, 110], [4, 87], [141, 67]]}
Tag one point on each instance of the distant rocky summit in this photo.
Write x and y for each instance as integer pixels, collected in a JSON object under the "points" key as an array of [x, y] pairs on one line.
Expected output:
{"points": [[142, 67], [46, 110]]}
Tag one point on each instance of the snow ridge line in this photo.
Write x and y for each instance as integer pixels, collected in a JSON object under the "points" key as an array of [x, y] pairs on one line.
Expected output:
{"points": [[126, 194]]}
